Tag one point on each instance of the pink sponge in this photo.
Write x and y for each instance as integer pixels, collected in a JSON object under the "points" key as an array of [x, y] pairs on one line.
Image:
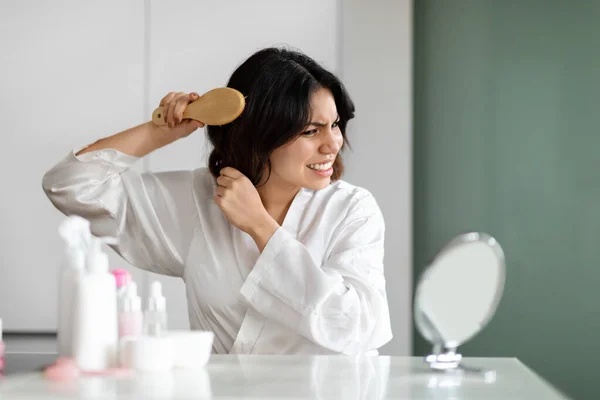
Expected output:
{"points": [[63, 369]]}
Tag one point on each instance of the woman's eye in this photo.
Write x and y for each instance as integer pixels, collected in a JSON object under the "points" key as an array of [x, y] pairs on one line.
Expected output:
{"points": [[310, 133], [335, 124]]}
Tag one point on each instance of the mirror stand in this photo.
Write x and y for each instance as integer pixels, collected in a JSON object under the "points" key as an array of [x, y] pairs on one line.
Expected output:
{"points": [[444, 358]]}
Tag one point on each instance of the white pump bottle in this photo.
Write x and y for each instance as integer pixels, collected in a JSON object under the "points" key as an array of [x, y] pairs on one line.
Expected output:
{"points": [[76, 233], [95, 341]]}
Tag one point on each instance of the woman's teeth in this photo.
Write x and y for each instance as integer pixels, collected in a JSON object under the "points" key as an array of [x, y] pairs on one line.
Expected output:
{"points": [[321, 167]]}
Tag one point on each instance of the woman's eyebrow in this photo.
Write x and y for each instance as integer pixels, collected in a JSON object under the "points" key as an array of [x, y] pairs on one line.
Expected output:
{"points": [[316, 123]]}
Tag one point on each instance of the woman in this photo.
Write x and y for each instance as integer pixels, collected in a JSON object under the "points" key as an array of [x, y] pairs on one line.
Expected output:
{"points": [[278, 255]]}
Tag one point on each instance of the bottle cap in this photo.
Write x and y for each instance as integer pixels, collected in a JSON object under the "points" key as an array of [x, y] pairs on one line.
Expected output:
{"points": [[122, 276], [75, 231], [97, 260], [156, 301], [131, 300]]}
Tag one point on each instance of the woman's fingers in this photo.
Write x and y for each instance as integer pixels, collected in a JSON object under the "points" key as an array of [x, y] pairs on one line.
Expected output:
{"points": [[171, 107], [165, 102], [224, 181]]}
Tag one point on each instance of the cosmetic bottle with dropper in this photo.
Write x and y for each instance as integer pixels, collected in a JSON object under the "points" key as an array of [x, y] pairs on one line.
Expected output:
{"points": [[154, 351], [155, 318]]}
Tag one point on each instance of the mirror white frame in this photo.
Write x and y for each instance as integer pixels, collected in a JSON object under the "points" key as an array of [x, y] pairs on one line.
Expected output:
{"points": [[444, 355]]}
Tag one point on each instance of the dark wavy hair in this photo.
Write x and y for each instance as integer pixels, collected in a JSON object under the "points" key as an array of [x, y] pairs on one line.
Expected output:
{"points": [[278, 84]]}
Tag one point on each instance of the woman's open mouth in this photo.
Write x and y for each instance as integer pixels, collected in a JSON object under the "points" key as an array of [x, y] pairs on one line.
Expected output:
{"points": [[325, 169]]}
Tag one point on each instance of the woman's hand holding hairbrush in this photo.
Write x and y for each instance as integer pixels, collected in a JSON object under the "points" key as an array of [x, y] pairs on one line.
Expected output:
{"points": [[180, 114]]}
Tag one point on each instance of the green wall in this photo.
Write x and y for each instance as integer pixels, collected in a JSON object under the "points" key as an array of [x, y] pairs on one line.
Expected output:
{"points": [[507, 141]]}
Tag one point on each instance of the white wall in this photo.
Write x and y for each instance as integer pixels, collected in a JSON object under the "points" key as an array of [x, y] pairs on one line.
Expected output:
{"points": [[71, 72], [376, 65], [75, 72]]}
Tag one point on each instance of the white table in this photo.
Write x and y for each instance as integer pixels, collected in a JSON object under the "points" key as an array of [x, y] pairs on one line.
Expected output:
{"points": [[297, 377]]}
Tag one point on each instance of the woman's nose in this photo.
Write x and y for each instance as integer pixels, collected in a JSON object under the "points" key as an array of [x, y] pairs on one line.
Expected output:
{"points": [[332, 142]]}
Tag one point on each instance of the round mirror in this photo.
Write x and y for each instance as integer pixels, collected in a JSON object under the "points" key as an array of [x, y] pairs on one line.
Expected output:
{"points": [[458, 293]]}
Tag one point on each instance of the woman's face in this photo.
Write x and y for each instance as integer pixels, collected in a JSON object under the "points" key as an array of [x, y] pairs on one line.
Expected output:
{"points": [[307, 161]]}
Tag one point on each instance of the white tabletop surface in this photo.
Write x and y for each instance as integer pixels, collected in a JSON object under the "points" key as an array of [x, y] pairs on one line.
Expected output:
{"points": [[297, 377]]}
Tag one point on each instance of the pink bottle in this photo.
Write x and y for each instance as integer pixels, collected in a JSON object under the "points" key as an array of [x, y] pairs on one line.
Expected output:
{"points": [[130, 324], [130, 315], [123, 277]]}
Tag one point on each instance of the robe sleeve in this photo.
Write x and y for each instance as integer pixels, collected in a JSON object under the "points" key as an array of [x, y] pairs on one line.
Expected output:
{"points": [[340, 304], [153, 215]]}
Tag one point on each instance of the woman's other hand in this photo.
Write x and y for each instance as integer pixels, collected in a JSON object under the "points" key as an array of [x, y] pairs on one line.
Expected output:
{"points": [[241, 204]]}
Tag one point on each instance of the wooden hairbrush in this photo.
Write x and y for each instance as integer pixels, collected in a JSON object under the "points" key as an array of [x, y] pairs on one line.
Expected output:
{"points": [[218, 106]]}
